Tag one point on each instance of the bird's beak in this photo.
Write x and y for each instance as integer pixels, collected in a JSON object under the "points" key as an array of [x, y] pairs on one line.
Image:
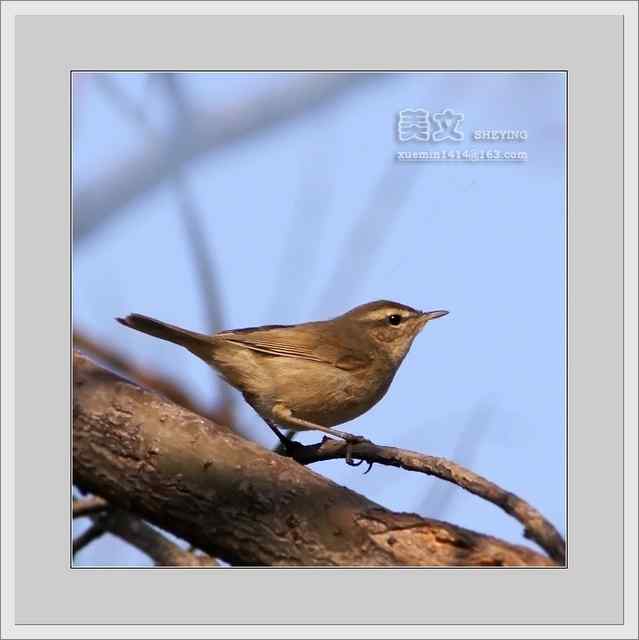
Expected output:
{"points": [[432, 315]]}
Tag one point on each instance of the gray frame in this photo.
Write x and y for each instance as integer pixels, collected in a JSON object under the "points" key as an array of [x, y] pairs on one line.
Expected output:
{"points": [[594, 392]]}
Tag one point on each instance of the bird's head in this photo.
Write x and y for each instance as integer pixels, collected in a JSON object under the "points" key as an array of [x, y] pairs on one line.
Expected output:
{"points": [[391, 326]]}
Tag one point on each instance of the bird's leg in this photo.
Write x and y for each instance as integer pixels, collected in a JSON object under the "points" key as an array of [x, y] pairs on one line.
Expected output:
{"points": [[286, 415], [283, 413], [284, 441]]}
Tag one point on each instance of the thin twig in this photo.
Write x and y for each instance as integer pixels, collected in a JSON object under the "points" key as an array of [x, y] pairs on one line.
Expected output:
{"points": [[536, 527], [89, 506]]}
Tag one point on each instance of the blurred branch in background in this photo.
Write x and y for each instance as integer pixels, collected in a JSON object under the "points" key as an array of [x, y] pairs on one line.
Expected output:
{"points": [[440, 497], [118, 363], [163, 552], [137, 533], [196, 235], [89, 506], [96, 530], [303, 242], [211, 130], [135, 112], [202, 256], [377, 220], [210, 292], [367, 236]]}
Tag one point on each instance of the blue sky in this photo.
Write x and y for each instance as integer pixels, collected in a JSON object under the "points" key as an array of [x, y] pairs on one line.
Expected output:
{"points": [[315, 216]]}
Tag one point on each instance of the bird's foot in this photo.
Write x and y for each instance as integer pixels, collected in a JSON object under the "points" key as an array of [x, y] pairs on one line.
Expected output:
{"points": [[349, 452], [353, 439], [291, 446]]}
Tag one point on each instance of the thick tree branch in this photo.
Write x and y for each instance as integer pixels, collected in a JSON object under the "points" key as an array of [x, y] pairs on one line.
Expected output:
{"points": [[160, 383], [237, 501], [114, 359]]}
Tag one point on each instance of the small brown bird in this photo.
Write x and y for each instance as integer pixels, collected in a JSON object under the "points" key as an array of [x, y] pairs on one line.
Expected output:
{"points": [[307, 376]]}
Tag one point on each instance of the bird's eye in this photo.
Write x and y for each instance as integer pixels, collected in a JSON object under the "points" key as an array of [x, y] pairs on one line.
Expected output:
{"points": [[394, 319]]}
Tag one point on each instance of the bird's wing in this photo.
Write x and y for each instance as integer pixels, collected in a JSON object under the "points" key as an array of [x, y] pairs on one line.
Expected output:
{"points": [[285, 343]]}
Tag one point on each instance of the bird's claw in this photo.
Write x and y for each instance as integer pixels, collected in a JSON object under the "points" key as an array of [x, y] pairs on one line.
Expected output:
{"points": [[349, 454], [292, 446]]}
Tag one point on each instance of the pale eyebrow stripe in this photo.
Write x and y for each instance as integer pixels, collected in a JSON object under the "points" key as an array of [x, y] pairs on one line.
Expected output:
{"points": [[380, 314]]}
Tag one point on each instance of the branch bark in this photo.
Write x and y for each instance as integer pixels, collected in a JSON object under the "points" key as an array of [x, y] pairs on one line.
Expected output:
{"points": [[237, 501], [114, 359], [160, 383]]}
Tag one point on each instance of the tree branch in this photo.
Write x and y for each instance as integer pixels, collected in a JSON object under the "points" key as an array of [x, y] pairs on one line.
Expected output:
{"points": [[136, 532], [237, 501], [162, 551], [536, 527], [87, 537], [114, 359], [89, 506], [160, 383]]}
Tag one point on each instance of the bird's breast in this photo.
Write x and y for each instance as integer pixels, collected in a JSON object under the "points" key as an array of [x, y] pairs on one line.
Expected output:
{"points": [[330, 396]]}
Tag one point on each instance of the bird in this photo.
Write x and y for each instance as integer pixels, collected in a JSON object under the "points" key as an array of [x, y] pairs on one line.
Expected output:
{"points": [[309, 376]]}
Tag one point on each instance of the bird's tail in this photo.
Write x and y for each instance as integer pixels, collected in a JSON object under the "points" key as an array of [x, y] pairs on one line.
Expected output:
{"points": [[198, 343]]}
